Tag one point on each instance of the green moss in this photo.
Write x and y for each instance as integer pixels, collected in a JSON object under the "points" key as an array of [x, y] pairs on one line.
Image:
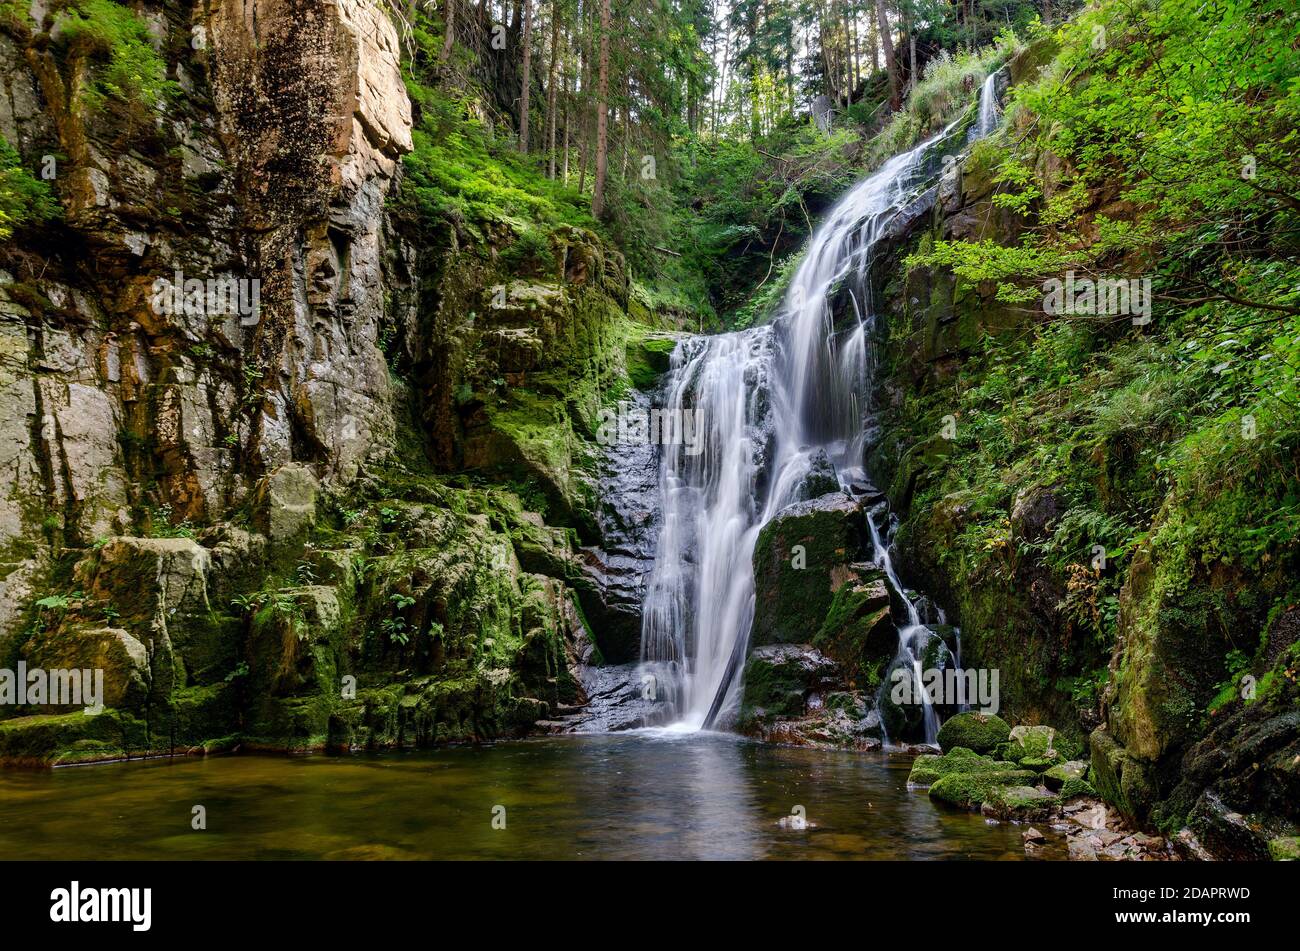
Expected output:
{"points": [[648, 357], [798, 559], [1075, 787], [1284, 849], [980, 732], [968, 790], [777, 689], [858, 631], [928, 769], [52, 740], [1019, 803], [1121, 780]]}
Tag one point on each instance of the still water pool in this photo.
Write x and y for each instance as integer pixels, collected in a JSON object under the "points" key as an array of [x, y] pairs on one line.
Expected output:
{"points": [[648, 794]]}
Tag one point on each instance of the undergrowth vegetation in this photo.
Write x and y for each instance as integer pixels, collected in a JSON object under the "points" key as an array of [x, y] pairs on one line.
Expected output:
{"points": [[1159, 145]]}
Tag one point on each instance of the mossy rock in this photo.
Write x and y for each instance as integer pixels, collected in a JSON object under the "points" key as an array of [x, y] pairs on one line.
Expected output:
{"points": [[1073, 788], [1058, 775], [801, 558], [72, 738], [1122, 780], [649, 355], [1286, 849], [1033, 747], [1019, 803], [928, 768], [858, 631], [1039, 764], [980, 732], [969, 790], [778, 678]]}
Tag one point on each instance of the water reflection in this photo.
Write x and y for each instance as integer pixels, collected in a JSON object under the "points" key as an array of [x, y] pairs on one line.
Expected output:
{"points": [[653, 794]]}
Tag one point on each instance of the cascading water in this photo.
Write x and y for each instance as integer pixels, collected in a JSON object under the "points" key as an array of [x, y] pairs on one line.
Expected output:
{"points": [[771, 400], [990, 108]]}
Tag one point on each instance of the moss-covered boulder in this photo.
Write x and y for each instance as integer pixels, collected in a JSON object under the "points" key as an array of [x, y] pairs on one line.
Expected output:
{"points": [[928, 768], [1284, 849], [779, 678], [1032, 747], [802, 557], [1073, 788], [969, 790], [980, 732], [1121, 779], [62, 739], [858, 632], [1058, 775], [77, 645], [1019, 803], [649, 355]]}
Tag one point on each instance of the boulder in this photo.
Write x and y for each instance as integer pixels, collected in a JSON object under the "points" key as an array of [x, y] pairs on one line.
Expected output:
{"points": [[1018, 803], [970, 790], [1034, 511], [1284, 849], [1058, 775], [1121, 779], [928, 768], [980, 732], [801, 558], [779, 678], [286, 503], [858, 632], [80, 646], [148, 582], [820, 479], [1033, 747]]}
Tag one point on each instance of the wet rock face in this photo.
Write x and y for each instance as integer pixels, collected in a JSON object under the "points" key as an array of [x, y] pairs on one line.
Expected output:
{"points": [[615, 571], [802, 557], [794, 695]]}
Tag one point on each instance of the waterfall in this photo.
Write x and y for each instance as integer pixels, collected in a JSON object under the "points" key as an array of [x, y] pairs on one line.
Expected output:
{"points": [[771, 400], [990, 110]]}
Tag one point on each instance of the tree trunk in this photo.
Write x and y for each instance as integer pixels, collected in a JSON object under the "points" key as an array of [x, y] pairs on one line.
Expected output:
{"points": [[568, 99], [848, 57], [550, 89], [872, 46], [722, 81], [450, 36], [584, 125], [602, 117], [911, 73], [891, 61], [527, 81]]}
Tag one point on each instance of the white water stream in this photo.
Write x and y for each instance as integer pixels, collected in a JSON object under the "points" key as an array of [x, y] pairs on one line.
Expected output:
{"points": [[771, 400]]}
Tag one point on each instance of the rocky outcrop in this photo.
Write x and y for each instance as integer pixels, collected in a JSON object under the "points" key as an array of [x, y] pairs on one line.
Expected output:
{"points": [[802, 557], [1172, 663], [225, 372], [795, 696]]}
